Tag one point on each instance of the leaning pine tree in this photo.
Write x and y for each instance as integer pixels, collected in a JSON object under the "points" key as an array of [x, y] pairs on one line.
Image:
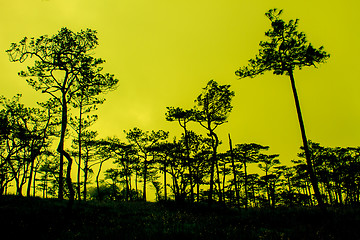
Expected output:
{"points": [[286, 50], [63, 68]]}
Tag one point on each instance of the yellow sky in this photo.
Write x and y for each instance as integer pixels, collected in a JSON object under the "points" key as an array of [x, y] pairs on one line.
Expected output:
{"points": [[164, 51]]}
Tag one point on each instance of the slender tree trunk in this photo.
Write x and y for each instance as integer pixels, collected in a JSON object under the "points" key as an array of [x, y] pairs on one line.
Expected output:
{"points": [[97, 180], [145, 176], [273, 199], [214, 143], [127, 181], [218, 180], [22, 180], [136, 184], [30, 178], [79, 146], [223, 182], [60, 149], [44, 184], [246, 185], [189, 163], [18, 188], [211, 178], [234, 174], [34, 185], [313, 177], [308, 191], [130, 188], [267, 188], [165, 192], [63, 153], [339, 193], [86, 171]]}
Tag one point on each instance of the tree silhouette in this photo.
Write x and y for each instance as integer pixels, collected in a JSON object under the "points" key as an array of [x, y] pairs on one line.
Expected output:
{"points": [[178, 163], [200, 148], [103, 154], [286, 50], [144, 140], [85, 102], [183, 117], [266, 162], [247, 153], [234, 170], [338, 172], [124, 156], [89, 144], [24, 137], [63, 66], [213, 107], [48, 171]]}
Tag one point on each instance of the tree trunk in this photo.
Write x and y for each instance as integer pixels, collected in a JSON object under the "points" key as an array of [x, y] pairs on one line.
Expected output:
{"points": [[165, 192], [127, 181], [267, 187], [68, 180], [136, 184], [28, 191], [234, 173], [246, 185], [211, 178], [218, 180], [60, 149], [311, 172], [189, 163], [63, 153], [79, 145], [145, 176], [86, 171], [214, 143], [97, 180], [34, 185]]}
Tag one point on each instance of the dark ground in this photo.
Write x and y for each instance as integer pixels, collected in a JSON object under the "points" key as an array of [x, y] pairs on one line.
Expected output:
{"points": [[27, 218]]}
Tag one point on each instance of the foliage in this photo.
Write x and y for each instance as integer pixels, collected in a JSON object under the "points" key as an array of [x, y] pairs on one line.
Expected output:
{"points": [[65, 69], [24, 137], [286, 49]]}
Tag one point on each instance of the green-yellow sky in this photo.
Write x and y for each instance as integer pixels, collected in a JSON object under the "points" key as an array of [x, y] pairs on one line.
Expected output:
{"points": [[164, 51]]}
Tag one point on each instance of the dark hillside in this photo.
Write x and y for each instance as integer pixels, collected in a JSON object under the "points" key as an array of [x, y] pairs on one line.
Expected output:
{"points": [[24, 218]]}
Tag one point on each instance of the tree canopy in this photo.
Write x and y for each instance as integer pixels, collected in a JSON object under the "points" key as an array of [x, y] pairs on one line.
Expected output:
{"points": [[285, 50]]}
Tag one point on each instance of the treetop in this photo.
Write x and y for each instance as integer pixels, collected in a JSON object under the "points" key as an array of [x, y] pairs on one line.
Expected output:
{"points": [[285, 50]]}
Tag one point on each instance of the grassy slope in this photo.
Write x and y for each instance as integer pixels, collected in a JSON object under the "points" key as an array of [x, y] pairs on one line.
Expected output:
{"points": [[23, 218]]}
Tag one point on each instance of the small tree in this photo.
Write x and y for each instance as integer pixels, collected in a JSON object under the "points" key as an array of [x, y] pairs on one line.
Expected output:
{"points": [[201, 153], [213, 107], [287, 50], [124, 156], [266, 162], [144, 140], [86, 103], [247, 153], [183, 117]]}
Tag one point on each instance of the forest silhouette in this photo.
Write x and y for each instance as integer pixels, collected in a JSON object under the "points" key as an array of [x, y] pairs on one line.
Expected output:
{"points": [[42, 148]]}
